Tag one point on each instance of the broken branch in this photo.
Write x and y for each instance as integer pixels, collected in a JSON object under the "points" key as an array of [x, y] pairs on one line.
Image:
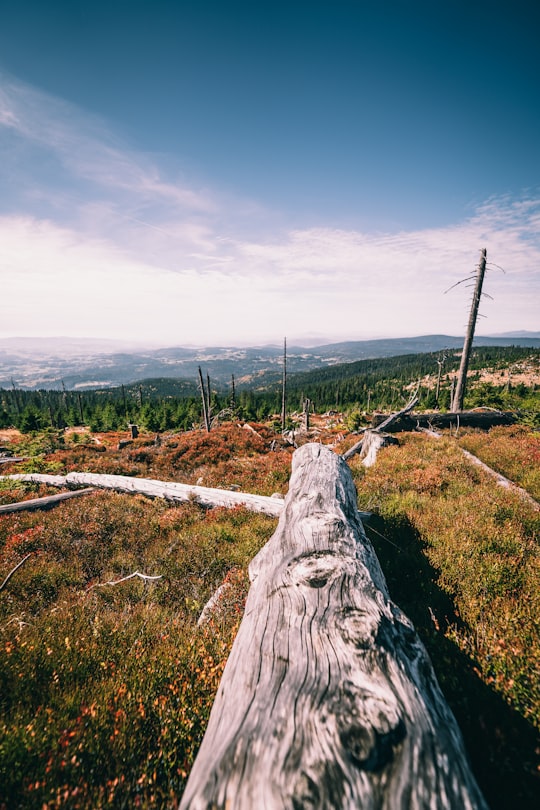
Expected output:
{"points": [[5, 582]]}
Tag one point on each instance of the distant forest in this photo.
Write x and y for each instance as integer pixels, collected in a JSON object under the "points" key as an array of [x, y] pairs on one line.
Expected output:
{"points": [[381, 384]]}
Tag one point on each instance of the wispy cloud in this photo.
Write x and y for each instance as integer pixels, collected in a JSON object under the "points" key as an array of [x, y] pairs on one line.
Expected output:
{"points": [[88, 149], [109, 245]]}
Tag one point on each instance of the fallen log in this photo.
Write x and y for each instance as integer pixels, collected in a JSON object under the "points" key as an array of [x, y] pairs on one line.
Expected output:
{"points": [[328, 698], [47, 502], [37, 478], [152, 488], [501, 480], [475, 419]]}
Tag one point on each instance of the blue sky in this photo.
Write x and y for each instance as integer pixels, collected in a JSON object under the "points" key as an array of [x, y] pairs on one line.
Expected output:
{"points": [[233, 172]]}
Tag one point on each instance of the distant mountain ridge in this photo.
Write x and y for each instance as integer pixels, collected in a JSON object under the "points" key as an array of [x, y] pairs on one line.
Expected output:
{"points": [[53, 363]]}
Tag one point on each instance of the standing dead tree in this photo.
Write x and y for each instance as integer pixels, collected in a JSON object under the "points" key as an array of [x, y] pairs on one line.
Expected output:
{"points": [[307, 408], [328, 698], [458, 395], [205, 403], [284, 388]]}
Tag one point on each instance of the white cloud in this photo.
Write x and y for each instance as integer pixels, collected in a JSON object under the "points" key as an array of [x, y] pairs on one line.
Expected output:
{"points": [[115, 249], [340, 283]]}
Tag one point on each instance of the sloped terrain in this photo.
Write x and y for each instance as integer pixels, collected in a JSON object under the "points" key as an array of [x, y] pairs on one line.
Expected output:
{"points": [[105, 686]]}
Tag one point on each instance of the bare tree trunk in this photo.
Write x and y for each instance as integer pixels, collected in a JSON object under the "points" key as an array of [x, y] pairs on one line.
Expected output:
{"points": [[459, 394], [203, 396], [284, 387], [233, 394], [307, 406], [208, 399]]}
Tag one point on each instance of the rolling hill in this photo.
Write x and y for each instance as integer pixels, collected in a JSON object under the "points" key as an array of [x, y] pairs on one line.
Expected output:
{"points": [[33, 363]]}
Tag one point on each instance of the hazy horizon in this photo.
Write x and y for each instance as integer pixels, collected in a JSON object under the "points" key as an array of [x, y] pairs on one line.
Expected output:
{"points": [[105, 345]]}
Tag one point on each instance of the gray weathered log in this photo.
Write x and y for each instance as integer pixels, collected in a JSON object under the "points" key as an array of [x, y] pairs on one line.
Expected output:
{"points": [[170, 490], [328, 699], [47, 502], [501, 480], [37, 478]]}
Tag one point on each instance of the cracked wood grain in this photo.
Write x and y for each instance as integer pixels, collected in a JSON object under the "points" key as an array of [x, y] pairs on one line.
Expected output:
{"points": [[328, 699]]}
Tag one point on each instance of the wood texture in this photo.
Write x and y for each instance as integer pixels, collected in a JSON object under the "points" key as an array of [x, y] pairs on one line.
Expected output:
{"points": [[328, 699]]}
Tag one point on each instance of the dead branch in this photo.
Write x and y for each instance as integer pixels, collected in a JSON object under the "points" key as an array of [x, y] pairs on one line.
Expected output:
{"points": [[245, 426], [214, 603], [395, 416], [43, 503], [144, 577], [5, 582], [501, 480], [356, 448]]}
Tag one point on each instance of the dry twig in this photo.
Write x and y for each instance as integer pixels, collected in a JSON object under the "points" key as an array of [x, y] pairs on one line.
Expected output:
{"points": [[144, 577], [5, 582]]}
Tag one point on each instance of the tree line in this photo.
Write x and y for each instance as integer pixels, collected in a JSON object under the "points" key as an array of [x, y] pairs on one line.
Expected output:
{"points": [[363, 386]]}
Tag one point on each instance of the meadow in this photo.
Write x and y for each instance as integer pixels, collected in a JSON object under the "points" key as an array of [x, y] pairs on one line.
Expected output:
{"points": [[106, 686]]}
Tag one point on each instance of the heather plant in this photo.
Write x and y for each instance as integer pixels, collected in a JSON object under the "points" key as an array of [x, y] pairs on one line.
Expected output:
{"points": [[105, 688], [461, 557], [513, 452]]}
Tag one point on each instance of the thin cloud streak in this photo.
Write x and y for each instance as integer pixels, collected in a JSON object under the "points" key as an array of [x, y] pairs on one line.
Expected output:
{"points": [[86, 147]]}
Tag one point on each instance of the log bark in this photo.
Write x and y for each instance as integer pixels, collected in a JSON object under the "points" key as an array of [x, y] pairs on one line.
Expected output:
{"points": [[170, 490], [328, 699], [43, 503]]}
